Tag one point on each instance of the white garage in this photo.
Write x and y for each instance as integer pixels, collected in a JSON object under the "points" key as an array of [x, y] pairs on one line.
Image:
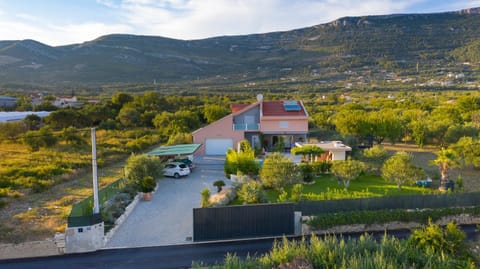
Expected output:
{"points": [[218, 146]]}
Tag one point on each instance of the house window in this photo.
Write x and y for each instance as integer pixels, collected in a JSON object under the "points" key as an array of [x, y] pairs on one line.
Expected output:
{"points": [[283, 124]]}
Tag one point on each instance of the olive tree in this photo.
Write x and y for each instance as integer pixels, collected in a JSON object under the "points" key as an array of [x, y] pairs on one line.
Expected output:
{"points": [[400, 169], [347, 170], [374, 158]]}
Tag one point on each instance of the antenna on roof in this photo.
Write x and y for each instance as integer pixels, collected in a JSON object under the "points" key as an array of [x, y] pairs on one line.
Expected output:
{"points": [[259, 97]]}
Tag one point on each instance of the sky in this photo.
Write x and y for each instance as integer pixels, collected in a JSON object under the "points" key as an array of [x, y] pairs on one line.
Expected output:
{"points": [[61, 22]]}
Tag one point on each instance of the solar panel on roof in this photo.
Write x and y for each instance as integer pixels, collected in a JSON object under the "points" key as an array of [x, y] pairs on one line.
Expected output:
{"points": [[291, 106]]}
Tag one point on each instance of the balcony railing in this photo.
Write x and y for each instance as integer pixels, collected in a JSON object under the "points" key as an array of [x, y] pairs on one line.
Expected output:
{"points": [[246, 127]]}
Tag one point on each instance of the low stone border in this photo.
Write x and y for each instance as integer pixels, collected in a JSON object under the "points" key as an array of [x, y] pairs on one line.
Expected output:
{"points": [[29, 249], [128, 210]]}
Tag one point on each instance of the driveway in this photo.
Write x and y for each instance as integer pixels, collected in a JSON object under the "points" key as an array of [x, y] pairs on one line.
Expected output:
{"points": [[168, 218]]}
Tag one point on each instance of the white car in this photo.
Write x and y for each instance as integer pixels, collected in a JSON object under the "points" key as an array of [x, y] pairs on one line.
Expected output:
{"points": [[176, 170]]}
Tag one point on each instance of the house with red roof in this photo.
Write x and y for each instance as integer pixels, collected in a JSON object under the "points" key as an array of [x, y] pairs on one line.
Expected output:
{"points": [[264, 124]]}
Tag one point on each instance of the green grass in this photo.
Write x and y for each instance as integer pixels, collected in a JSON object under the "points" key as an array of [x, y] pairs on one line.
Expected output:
{"points": [[327, 188], [374, 185]]}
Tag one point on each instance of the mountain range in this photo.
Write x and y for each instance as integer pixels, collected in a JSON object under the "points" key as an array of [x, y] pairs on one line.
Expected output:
{"points": [[419, 45]]}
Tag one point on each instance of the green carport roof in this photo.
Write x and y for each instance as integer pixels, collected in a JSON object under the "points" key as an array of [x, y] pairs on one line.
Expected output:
{"points": [[184, 149]]}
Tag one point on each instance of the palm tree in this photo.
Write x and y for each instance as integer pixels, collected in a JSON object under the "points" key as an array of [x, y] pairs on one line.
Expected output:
{"points": [[446, 159]]}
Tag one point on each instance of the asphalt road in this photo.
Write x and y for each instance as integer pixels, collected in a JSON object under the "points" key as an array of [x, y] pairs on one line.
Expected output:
{"points": [[167, 257]]}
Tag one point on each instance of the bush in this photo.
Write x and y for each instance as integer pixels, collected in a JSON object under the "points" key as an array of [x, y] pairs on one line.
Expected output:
{"points": [[321, 167], [147, 184], [242, 162], [433, 237], [139, 167], [278, 172], [205, 197], [252, 193], [307, 171]]}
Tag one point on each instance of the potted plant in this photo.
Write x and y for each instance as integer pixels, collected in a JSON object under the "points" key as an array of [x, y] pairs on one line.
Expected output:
{"points": [[147, 185]]}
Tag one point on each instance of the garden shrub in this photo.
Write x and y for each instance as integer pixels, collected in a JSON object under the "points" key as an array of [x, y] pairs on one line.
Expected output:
{"points": [[306, 170], [296, 193], [242, 162], [251, 193], [278, 172], [204, 202]]}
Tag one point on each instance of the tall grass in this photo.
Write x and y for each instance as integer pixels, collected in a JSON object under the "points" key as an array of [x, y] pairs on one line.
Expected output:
{"points": [[332, 252]]}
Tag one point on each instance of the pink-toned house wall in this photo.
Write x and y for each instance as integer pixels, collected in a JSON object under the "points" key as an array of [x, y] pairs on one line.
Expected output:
{"points": [[222, 128], [272, 124]]}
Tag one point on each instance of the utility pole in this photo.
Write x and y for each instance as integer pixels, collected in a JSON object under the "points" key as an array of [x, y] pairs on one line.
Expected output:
{"points": [[96, 208]]}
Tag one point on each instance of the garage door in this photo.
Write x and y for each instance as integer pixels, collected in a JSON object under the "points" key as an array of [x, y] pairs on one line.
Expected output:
{"points": [[217, 146]]}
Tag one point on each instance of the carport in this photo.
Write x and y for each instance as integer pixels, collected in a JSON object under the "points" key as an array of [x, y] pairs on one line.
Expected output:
{"points": [[175, 150]]}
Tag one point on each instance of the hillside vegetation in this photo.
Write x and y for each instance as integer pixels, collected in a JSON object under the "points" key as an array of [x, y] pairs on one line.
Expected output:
{"points": [[419, 45]]}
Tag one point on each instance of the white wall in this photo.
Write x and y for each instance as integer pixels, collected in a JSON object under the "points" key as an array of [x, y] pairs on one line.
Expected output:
{"points": [[338, 156], [84, 239]]}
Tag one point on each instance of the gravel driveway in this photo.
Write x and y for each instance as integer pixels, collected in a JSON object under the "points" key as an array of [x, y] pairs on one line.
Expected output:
{"points": [[168, 218]]}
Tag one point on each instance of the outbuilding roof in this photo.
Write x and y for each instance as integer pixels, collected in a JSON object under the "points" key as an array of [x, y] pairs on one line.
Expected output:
{"points": [[183, 149], [18, 116]]}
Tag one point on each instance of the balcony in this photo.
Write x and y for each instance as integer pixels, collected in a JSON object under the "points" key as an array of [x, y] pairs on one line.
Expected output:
{"points": [[246, 127]]}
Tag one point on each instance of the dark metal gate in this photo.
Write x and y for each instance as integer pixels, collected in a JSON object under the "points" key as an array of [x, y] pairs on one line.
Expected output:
{"points": [[234, 222]]}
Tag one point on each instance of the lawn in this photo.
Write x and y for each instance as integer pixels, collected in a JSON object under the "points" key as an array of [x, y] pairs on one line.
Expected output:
{"points": [[327, 188]]}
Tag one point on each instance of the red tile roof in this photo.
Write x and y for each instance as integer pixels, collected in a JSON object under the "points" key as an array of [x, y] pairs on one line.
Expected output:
{"points": [[275, 108], [237, 107]]}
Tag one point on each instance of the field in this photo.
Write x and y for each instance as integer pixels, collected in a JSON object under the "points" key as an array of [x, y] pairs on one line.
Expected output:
{"points": [[38, 189]]}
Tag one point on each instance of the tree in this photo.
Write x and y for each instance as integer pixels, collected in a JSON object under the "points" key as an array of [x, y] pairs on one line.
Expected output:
{"points": [[347, 170], [41, 138], [468, 151], [446, 159], [374, 158], [419, 132], [400, 169], [11, 130], [214, 112], [140, 167], [119, 99], [219, 184], [352, 122], [278, 172], [308, 150], [385, 124], [455, 132], [32, 122], [129, 116], [64, 118], [72, 137], [180, 138]]}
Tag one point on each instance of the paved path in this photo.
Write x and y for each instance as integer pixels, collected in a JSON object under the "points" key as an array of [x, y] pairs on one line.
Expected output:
{"points": [[168, 218]]}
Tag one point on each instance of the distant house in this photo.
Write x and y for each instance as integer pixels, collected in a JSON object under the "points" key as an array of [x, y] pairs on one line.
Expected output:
{"points": [[334, 150], [66, 101], [269, 121], [7, 101]]}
